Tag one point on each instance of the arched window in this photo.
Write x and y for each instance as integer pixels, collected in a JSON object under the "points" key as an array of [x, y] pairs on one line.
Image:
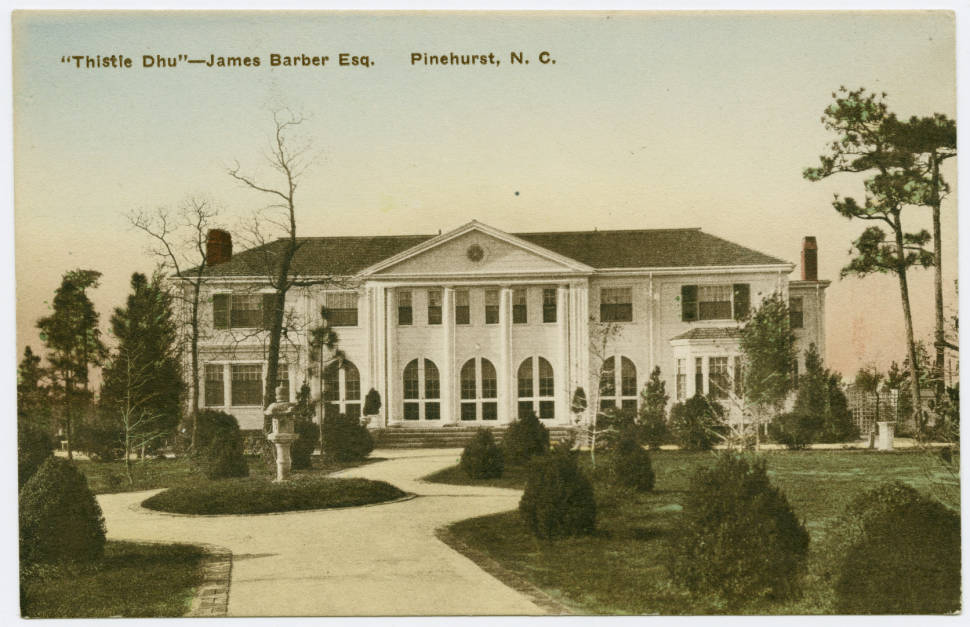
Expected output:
{"points": [[422, 390], [536, 388], [479, 390], [341, 387], [624, 380]]}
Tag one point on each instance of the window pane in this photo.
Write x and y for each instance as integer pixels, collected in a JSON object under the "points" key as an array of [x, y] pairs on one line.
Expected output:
{"points": [[331, 382], [549, 305], [520, 313], [489, 382], [214, 389], [468, 411], [547, 410], [283, 379], [681, 379], [717, 381], [525, 379], [524, 408], [352, 381], [411, 411], [628, 378], [630, 404], [714, 302], [404, 312], [411, 379], [246, 311], [468, 380], [491, 306], [342, 308], [489, 411], [738, 377], [608, 377], [547, 385], [434, 306], [247, 384], [698, 375], [353, 410], [432, 411], [795, 312], [432, 387]]}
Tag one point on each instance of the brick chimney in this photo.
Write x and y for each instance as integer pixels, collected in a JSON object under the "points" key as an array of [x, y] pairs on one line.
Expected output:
{"points": [[218, 248], [809, 259]]}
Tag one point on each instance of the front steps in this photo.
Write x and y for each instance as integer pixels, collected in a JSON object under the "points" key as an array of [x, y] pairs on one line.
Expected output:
{"points": [[445, 437]]}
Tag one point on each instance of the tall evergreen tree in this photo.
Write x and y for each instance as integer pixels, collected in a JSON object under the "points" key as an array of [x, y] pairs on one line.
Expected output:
{"points": [[143, 385], [820, 395], [33, 393], [73, 341], [653, 410]]}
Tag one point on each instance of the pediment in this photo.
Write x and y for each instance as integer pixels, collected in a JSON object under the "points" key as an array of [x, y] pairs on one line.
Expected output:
{"points": [[476, 249]]}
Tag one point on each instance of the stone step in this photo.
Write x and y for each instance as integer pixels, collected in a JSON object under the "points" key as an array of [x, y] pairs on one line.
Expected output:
{"points": [[446, 437]]}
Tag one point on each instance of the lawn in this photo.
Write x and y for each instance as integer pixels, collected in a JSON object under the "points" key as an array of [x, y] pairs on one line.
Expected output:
{"points": [[133, 580], [620, 569], [109, 477], [258, 496]]}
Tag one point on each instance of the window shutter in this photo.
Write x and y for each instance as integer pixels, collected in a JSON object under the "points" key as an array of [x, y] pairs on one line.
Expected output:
{"points": [[269, 304], [220, 311], [742, 300], [688, 303]]}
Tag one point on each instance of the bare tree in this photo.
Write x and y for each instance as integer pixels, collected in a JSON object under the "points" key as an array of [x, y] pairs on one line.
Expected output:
{"points": [[180, 243], [288, 157], [602, 336]]}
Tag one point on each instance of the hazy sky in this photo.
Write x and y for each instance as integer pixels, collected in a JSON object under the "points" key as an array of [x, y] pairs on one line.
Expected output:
{"points": [[644, 121]]}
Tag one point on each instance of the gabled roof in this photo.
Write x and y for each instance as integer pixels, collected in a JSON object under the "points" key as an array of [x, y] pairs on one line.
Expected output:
{"points": [[653, 248], [709, 333]]}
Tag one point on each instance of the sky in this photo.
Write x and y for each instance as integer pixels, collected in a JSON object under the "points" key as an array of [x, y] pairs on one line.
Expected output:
{"points": [[651, 120]]}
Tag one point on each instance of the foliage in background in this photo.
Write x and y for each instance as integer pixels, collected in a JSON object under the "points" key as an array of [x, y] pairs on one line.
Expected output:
{"points": [[738, 537], [219, 444], [653, 411], [558, 500], [34, 446], [301, 451], [344, 438], [482, 458], [524, 439], [901, 554], [820, 395], [34, 393], [796, 430], [697, 423], [372, 403]]}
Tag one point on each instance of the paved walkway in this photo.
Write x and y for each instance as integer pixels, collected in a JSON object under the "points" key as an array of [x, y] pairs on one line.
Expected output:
{"points": [[378, 560]]}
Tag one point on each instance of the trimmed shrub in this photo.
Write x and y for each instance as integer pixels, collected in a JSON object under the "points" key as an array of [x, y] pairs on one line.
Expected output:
{"points": [[525, 438], [900, 554], [739, 538], [60, 520], [612, 424], [482, 458], [344, 438], [697, 423], [653, 411], [220, 443], [301, 452], [631, 465], [34, 446], [558, 500], [372, 403], [795, 430]]}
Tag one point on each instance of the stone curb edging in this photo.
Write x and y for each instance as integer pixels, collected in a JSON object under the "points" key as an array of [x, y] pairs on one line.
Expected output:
{"points": [[137, 507], [506, 576], [212, 598]]}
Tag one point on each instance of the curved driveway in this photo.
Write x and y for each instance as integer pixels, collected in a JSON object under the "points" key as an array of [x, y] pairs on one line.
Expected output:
{"points": [[378, 560]]}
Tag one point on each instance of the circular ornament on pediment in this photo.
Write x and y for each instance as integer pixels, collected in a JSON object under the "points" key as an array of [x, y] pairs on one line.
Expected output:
{"points": [[475, 252]]}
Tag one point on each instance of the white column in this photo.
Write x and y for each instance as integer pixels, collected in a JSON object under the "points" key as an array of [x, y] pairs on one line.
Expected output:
{"points": [[392, 406], [564, 389], [504, 377], [448, 413], [378, 363]]}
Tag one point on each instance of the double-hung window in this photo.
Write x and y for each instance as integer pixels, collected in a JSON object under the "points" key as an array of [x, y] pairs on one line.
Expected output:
{"points": [[520, 310], [549, 304], [434, 306], [462, 308], [342, 309], [796, 313], [715, 302], [718, 378], [491, 306], [405, 314], [242, 311], [616, 304], [247, 384], [214, 386]]}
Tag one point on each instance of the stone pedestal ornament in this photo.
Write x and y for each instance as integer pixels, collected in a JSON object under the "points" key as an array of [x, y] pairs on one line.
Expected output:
{"points": [[884, 440], [282, 436]]}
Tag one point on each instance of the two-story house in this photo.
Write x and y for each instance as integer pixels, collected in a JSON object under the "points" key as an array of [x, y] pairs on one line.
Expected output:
{"points": [[477, 326]]}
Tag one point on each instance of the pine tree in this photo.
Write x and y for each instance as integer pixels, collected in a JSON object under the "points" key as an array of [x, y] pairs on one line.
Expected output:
{"points": [[143, 385], [33, 394], [653, 410], [73, 341], [820, 396]]}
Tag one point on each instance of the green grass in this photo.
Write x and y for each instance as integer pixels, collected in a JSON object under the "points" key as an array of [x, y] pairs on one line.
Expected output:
{"points": [[620, 569], [258, 496], [110, 477], [132, 580]]}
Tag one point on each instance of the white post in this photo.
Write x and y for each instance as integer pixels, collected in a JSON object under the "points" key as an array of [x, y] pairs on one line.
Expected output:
{"points": [[448, 413], [564, 393], [504, 379]]}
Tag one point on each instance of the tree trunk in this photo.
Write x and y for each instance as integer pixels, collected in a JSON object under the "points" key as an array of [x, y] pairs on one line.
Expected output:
{"points": [[68, 393], [194, 349], [939, 384], [910, 342]]}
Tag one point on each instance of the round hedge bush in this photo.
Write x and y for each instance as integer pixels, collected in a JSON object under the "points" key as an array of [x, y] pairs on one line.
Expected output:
{"points": [[524, 439], [483, 458], [795, 430], [697, 423], [900, 554], [253, 496], [34, 446], [220, 443], [301, 452], [558, 500], [631, 465], [344, 438], [738, 537], [60, 520]]}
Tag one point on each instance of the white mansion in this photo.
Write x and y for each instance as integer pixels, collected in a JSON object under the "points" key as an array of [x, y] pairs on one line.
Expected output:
{"points": [[477, 326]]}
